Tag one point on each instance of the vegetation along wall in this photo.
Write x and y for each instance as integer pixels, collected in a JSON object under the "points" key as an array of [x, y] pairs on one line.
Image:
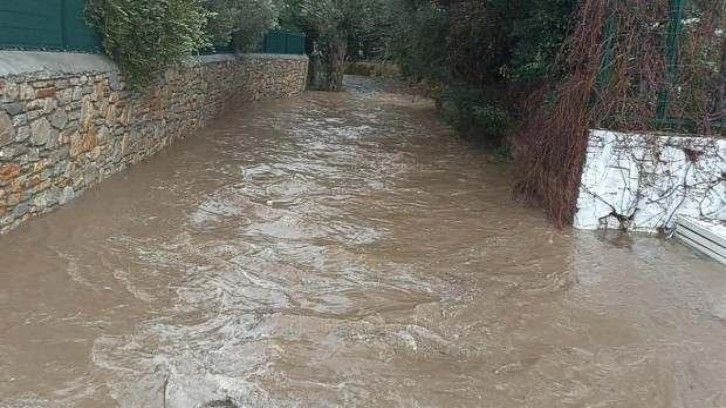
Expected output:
{"points": [[68, 121]]}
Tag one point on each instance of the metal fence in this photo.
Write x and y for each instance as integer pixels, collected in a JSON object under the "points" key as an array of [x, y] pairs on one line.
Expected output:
{"points": [[282, 42], [59, 25], [679, 63], [46, 25]]}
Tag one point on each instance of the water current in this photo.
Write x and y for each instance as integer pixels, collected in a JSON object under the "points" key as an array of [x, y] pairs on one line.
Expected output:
{"points": [[345, 250]]}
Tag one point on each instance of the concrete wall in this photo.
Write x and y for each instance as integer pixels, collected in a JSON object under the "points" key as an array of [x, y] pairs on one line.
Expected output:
{"points": [[67, 121], [641, 182]]}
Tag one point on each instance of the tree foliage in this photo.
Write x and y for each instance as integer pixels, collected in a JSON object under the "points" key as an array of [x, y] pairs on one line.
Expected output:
{"points": [[146, 36], [486, 54], [331, 24], [479, 42], [416, 38], [241, 22]]}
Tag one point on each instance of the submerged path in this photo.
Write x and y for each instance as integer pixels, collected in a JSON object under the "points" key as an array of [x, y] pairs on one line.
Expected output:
{"points": [[345, 250]]}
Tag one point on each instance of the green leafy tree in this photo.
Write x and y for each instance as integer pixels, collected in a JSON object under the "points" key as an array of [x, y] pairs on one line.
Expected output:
{"points": [[331, 23], [416, 38], [482, 56], [241, 22], [506, 41]]}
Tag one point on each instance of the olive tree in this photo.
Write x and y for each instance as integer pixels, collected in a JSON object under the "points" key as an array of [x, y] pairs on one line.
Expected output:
{"points": [[242, 22], [332, 23]]}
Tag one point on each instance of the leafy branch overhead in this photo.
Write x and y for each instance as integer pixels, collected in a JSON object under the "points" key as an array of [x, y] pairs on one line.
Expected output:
{"points": [[146, 36], [241, 22]]}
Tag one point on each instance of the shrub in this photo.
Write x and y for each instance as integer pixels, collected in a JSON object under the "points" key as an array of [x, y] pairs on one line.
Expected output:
{"points": [[475, 114], [146, 36]]}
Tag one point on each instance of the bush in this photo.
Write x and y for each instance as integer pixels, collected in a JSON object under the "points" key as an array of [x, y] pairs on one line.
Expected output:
{"points": [[146, 36], [475, 114], [485, 56]]}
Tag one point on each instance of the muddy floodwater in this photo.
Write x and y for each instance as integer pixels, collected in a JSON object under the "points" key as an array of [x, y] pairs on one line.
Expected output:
{"points": [[345, 250]]}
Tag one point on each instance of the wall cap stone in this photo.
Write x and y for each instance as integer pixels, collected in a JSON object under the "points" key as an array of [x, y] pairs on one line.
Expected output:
{"points": [[212, 58], [18, 63], [206, 59], [274, 56], [14, 63]]}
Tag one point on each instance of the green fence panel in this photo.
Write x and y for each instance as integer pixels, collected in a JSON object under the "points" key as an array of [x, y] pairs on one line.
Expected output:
{"points": [[276, 43], [30, 24], [280, 42], [46, 25], [296, 44], [77, 35]]}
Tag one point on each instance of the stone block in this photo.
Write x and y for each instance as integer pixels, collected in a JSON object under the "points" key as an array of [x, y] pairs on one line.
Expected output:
{"points": [[40, 132], [7, 130], [11, 152], [26, 92], [9, 171], [59, 120], [11, 92], [21, 209], [62, 83], [22, 134], [49, 105], [65, 96], [83, 141], [77, 93], [48, 92], [87, 113], [13, 108], [20, 120]]}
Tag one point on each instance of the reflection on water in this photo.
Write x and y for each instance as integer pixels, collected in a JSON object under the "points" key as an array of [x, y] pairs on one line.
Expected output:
{"points": [[345, 250]]}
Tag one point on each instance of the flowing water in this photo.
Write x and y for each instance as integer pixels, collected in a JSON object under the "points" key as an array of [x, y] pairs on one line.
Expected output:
{"points": [[345, 250]]}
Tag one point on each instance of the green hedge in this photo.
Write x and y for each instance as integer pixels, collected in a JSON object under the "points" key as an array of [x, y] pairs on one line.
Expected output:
{"points": [[146, 36]]}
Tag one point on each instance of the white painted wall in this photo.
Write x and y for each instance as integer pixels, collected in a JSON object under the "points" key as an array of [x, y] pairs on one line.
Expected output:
{"points": [[651, 179]]}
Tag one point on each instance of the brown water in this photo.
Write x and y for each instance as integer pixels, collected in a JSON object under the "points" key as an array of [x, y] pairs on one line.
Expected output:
{"points": [[345, 250]]}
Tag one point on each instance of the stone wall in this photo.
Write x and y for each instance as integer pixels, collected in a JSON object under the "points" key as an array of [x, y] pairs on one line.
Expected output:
{"points": [[642, 182], [68, 121]]}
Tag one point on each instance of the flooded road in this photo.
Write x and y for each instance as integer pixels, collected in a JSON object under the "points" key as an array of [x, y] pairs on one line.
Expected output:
{"points": [[345, 250]]}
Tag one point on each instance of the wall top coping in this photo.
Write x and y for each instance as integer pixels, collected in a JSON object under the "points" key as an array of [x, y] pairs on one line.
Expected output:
{"points": [[17, 63], [27, 62], [274, 56]]}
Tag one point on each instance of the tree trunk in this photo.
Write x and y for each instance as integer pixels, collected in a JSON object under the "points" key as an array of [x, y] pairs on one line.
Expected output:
{"points": [[336, 51]]}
